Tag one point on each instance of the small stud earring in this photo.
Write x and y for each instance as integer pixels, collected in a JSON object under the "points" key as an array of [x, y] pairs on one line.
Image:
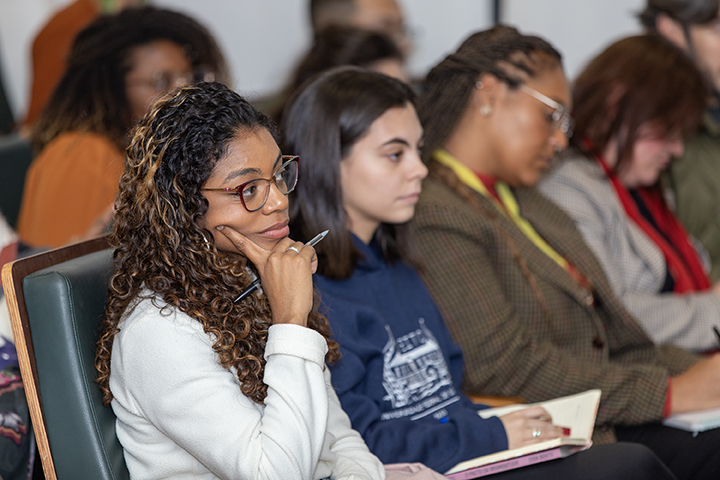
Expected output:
{"points": [[485, 110], [479, 85]]}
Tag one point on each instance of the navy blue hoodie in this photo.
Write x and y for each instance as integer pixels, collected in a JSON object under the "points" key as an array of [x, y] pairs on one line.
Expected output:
{"points": [[400, 372]]}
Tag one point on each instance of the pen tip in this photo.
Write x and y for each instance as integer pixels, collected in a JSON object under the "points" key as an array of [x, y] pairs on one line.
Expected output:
{"points": [[325, 233]]}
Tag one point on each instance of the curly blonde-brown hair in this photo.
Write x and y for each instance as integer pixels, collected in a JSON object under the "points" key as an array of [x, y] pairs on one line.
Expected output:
{"points": [[160, 245]]}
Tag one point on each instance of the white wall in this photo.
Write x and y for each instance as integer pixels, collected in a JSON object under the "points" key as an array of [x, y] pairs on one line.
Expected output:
{"points": [[263, 38], [580, 29], [19, 21]]}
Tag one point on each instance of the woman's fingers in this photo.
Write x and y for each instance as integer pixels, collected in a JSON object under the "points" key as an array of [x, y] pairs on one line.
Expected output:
{"points": [[530, 425], [286, 274], [539, 431], [256, 254]]}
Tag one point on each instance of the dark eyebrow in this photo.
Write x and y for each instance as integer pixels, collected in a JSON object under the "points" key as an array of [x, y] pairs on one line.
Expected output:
{"points": [[396, 140], [249, 171]]}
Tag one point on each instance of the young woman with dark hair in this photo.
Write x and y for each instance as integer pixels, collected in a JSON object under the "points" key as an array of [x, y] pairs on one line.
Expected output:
{"points": [[633, 106], [203, 385], [521, 291], [118, 65], [399, 374]]}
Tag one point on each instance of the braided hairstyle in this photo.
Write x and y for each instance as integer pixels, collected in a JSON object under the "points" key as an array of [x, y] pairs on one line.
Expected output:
{"points": [[91, 95], [500, 51], [160, 245], [497, 51]]}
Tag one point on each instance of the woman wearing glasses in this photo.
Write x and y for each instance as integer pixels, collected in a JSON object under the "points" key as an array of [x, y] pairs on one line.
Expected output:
{"points": [[118, 65], [519, 288], [204, 386], [634, 104]]}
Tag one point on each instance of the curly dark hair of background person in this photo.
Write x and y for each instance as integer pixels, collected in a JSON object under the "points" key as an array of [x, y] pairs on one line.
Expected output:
{"points": [[160, 247]]}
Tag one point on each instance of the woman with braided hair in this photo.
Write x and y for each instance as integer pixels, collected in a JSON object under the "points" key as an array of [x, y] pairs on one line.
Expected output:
{"points": [[520, 290], [203, 385]]}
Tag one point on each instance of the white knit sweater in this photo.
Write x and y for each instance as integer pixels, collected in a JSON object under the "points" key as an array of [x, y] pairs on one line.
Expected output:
{"points": [[181, 415]]}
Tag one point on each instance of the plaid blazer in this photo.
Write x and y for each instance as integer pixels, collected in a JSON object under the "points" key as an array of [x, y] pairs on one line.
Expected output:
{"points": [[518, 345]]}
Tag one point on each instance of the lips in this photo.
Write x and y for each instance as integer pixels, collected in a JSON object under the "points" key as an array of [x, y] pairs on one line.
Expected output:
{"points": [[277, 230], [412, 197]]}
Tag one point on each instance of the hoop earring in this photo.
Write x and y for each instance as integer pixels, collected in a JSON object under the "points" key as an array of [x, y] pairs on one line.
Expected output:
{"points": [[479, 85], [486, 110]]}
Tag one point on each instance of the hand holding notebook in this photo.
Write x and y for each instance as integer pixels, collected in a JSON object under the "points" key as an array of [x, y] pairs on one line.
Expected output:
{"points": [[576, 412]]}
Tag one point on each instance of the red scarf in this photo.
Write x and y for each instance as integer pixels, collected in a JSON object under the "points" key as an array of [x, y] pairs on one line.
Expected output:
{"points": [[682, 260]]}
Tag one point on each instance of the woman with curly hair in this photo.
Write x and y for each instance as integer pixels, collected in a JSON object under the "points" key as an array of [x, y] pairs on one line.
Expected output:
{"points": [[202, 384]]}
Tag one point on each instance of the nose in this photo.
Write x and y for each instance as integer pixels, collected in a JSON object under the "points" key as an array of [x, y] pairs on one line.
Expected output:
{"points": [[276, 200], [558, 139], [417, 168]]}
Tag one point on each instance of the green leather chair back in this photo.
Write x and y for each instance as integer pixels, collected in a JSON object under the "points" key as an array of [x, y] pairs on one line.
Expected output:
{"points": [[65, 304], [15, 158]]}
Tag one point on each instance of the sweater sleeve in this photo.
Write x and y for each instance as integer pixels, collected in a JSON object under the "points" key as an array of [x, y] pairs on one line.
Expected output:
{"points": [[397, 438], [460, 265], [685, 320], [353, 460], [168, 373]]}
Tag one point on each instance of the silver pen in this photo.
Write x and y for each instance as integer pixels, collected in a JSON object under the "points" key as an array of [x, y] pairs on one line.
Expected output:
{"points": [[256, 283]]}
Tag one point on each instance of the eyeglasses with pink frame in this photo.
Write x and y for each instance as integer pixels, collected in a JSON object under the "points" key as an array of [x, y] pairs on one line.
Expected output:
{"points": [[254, 194]]}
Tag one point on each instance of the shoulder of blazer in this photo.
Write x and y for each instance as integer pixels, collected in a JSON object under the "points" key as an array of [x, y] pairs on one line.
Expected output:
{"points": [[443, 203]]}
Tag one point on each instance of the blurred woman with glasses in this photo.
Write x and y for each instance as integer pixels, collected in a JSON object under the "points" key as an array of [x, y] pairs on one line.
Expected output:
{"points": [[634, 104], [203, 385], [117, 67], [521, 291]]}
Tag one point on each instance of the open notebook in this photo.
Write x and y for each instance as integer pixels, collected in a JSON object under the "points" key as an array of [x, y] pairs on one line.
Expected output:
{"points": [[576, 412]]}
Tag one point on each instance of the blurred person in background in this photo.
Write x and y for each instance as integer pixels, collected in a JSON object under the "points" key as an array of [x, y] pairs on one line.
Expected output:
{"points": [[52, 44], [694, 25], [633, 106], [339, 45], [383, 16], [520, 289], [117, 67]]}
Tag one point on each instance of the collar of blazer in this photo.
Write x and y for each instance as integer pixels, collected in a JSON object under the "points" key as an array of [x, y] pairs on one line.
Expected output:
{"points": [[552, 263]]}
